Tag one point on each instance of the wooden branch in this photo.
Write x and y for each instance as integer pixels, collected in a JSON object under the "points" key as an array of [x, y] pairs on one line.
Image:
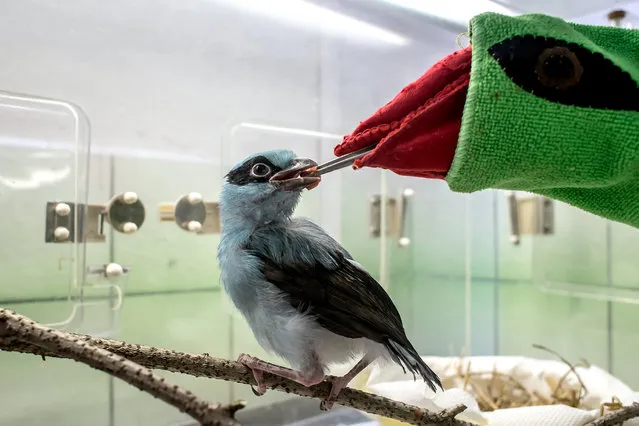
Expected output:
{"points": [[62, 344], [617, 417], [222, 369]]}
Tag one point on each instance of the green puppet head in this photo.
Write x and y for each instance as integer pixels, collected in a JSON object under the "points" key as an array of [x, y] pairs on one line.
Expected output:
{"points": [[552, 108]]}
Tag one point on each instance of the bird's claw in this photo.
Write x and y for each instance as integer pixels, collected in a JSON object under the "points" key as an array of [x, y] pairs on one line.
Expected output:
{"points": [[337, 384], [258, 375], [256, 392], [326, 404]]}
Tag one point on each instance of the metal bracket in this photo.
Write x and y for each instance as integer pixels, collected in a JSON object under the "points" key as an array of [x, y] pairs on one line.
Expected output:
{"points": [[396, 215], [403, 240], [124, 212], [375, 226], [531, 215], [62, 218], [191, 213]]}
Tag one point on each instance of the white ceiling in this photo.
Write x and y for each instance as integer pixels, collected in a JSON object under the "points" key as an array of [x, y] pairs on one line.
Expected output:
{"points": [[569, 9], [421, 24]]}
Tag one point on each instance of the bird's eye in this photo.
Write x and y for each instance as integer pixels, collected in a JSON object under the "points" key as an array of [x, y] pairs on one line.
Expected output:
{"points": [[260, 170]]}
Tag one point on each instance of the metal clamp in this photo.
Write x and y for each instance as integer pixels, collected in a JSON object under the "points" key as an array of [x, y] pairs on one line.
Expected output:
{"points": [[513, 212], [403, 239], [395, 219], [124, 212], [530, 215], [375, 208], [191, 213]]}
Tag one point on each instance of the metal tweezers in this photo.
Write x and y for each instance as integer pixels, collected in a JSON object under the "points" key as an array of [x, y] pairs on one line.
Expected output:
{"points": [[341, 162]]}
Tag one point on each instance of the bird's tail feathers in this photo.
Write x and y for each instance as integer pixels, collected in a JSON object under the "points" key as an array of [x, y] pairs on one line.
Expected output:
{"points": [[408, 358]]}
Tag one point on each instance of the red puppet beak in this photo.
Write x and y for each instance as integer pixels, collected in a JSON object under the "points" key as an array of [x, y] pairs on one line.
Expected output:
{"points": [[416, 133]]}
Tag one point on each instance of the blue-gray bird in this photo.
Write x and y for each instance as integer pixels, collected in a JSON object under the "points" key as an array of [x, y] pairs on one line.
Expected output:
{"points": [[304, 297]]}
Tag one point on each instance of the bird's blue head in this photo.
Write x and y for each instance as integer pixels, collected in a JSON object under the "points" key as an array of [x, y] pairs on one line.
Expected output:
{"points": [[266, 186]]}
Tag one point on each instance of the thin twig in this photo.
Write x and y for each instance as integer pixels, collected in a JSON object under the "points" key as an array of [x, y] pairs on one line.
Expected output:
{"points": [[68, 346], [222, 369], [572, 368], [617, 417]]}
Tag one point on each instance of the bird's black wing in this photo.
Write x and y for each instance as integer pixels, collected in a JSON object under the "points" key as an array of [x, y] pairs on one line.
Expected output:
{"points": [[322, 280], [345, 300]]}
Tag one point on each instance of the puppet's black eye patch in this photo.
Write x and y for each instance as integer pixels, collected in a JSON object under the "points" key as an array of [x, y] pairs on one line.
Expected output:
{"points": [[566, 73]]}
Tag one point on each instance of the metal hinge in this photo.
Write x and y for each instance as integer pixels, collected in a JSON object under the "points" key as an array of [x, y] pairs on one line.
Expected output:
{"points": [[124, 212]]}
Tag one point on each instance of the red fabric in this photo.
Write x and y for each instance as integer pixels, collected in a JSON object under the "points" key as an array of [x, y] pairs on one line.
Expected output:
{"points": [[416, 132]]}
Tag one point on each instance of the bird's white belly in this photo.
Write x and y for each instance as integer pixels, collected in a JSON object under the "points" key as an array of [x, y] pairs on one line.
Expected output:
{"points": [[333, 349], [301, 341]]}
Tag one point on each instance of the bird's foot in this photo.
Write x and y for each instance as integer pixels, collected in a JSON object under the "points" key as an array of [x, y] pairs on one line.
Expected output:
{"points": [[338, 383], [259, 367], [252, 363]]}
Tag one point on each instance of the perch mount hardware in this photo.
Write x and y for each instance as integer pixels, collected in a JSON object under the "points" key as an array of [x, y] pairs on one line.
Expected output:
{"points": [[192, 214], [124, 212]]}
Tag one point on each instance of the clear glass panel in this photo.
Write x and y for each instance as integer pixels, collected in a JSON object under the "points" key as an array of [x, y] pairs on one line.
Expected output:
{"points": [[44, 147], [624, 312], [574, 258], [483, 275], [575, 328], [173, 296], [44, 159], [428, 265], [571, 274], [587, 272], [598, 253]]}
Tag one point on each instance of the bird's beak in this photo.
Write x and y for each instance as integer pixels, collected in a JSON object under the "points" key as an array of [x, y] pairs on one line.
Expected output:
{"points": [[296, 176]]}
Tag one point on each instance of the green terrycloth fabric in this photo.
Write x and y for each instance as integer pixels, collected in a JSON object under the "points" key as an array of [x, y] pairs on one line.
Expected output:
{"points": [[512, 139]]}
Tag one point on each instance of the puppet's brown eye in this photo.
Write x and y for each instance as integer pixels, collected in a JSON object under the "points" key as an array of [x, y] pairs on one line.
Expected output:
{"points": [[566, 73], [558, 68]]}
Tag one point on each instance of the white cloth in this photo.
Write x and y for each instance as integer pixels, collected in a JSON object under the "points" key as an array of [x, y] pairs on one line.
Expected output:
{"points": [[533, 374]]}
